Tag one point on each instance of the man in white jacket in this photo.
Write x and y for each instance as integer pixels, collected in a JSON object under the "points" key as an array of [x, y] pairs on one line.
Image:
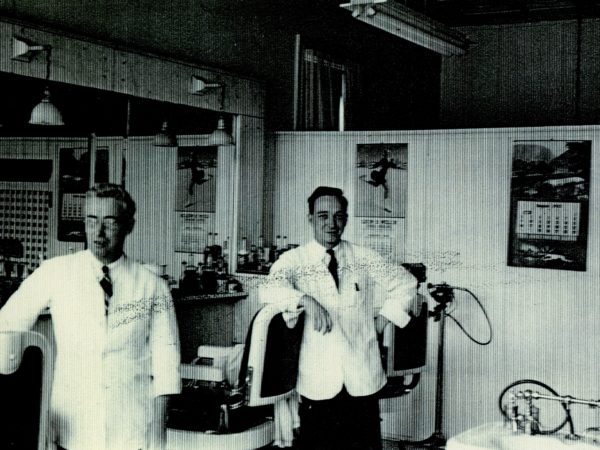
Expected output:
{"points": [[117, 345], [340, 371]]}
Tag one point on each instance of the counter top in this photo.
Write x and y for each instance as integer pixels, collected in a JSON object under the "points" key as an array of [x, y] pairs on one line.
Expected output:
{"points": [[229, 297]]}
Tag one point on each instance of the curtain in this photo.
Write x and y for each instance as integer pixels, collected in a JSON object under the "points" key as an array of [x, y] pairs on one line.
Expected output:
{"points": [[324, 92]]}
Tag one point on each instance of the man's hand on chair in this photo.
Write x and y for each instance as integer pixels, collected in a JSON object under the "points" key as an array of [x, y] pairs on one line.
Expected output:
{"points": [[318, 314]]}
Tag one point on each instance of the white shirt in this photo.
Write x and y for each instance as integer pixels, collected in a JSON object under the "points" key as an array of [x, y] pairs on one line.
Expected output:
{"points": [[108, 369], [349, 354]]}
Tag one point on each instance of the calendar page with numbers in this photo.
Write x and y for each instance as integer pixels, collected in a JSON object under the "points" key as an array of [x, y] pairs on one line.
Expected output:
{"points": [[549, 204], [24, 215]]}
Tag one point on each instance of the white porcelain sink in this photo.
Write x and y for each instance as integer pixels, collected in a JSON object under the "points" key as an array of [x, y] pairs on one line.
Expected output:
{"points": [[495, 436], [554, 442]]}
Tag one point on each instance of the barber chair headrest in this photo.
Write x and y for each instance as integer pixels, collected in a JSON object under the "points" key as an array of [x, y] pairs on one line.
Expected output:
{"points": [[270, 363]]}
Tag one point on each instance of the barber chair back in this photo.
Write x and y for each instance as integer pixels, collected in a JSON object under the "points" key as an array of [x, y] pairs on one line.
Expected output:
{"points": [[268, 373], [404, 352], [25, 383], [269, 367]]}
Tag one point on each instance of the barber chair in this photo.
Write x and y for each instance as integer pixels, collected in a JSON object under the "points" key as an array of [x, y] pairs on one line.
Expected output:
{"points": [[404, 352], [238, 417], [25, 380]]}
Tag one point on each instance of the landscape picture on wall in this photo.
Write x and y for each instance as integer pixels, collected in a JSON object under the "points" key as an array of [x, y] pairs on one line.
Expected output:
{"points": [[549, 204]]}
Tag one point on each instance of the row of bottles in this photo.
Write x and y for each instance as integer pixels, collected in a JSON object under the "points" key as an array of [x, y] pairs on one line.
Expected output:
{"points": [[260, 257], [210, 275]]}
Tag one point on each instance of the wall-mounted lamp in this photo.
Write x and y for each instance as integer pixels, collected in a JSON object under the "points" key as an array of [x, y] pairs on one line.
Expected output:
{"points": [[165, 137], [401, 21], [220, 136], [44, 113], [200, 86]]}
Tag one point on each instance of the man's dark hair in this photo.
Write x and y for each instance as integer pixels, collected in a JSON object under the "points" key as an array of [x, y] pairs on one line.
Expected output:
{"points": [[110, 190], [323, 191]]}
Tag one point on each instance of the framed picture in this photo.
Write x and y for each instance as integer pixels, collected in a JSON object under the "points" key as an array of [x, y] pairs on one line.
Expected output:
{"points": [[382, 180], [196, 197], [549, 204], [196, 179]]}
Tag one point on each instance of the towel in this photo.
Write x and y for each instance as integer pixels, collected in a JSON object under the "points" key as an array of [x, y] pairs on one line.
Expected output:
{"points": [[286, 420]]}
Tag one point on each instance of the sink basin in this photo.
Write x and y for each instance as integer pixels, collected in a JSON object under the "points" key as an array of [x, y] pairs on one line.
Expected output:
{"points": [[552, 442], [496, 436]]}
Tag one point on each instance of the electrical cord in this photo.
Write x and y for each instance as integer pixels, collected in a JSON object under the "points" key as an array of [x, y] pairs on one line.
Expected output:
{"points": [[489, 340]]}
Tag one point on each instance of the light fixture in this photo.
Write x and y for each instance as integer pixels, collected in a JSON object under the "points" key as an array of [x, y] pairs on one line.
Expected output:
{"points": [[44, 113], [199, 85], [220, 136], [401, 21], [165, 137]]}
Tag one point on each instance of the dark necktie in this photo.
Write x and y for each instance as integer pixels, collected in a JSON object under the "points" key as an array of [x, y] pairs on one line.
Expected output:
{"points": [[106, 284], [333, 267]]}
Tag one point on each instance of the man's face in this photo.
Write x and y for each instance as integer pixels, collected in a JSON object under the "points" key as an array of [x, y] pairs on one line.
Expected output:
{"points": [[328, 221], [106, 228]]}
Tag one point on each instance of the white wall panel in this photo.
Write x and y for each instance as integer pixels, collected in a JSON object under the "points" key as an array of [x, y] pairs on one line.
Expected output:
{"points": [[544, 321]]}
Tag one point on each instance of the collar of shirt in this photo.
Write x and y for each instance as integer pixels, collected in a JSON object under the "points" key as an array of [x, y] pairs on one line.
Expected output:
{"points": [[97, 265], [318, 253]]}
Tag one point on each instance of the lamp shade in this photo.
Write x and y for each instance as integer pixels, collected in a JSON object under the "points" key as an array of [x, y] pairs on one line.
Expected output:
{"points": [[220, 136], [45, 113], [164, 138]]}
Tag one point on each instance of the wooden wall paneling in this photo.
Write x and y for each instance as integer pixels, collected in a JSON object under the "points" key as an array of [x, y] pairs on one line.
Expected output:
{"points": [[84, 63], [157, 79]]}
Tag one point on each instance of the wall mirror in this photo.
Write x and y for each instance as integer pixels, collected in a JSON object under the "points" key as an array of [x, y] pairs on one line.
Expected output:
{"points": [[111, 136]]}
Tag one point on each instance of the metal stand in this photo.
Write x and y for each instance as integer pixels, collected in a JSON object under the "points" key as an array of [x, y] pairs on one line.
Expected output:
{"points": [[444, 295]]}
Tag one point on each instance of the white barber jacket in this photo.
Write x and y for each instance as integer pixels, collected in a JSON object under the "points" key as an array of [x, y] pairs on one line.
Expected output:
{"points": [[108, 368], [349, 354]]}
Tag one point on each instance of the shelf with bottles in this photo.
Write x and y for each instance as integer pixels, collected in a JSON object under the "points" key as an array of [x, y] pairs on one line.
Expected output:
{"points": [[210, 275], [258, 258]]}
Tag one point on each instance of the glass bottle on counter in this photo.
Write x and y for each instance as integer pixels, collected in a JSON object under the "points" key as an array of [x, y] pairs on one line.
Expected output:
{"points": [[182, 274], [274, 249], [189, 284], [226, 254], [262, 253], [209, 263], [209, 277], [254, 254], [207, 249], [243, 253], [221, 277], [215, 248]]}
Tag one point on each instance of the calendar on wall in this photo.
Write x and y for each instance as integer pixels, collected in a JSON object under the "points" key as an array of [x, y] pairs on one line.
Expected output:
{"points": [[549, 204], [73, 183], [24, 216]]}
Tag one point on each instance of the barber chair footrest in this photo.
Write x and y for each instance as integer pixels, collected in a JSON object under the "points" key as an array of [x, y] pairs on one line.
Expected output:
{"points": [[252, 438]]}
